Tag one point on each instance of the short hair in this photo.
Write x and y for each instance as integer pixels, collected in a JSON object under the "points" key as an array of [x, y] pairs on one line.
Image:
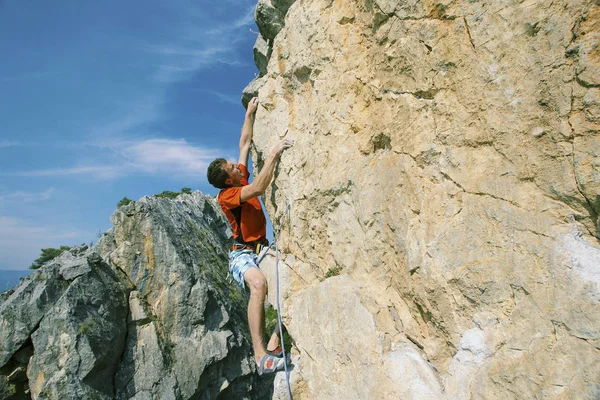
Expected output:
{"points": [[216, 174]]}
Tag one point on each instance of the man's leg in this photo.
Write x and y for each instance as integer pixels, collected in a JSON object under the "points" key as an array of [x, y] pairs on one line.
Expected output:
{"points": [[255, 280]]}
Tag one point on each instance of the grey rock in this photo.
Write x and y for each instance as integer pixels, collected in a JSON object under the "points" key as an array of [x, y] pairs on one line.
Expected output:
{"points": [[270, 17], [251, 90], [142, 368], [262, 54], [282, 5], [187, 334], [78, 344], [78, 250], [73, 267], [26, 306]]}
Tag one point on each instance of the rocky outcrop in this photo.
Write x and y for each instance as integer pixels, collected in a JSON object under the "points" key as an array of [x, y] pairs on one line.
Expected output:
{"points": [[270, 19], [147, 313], [270, 16], [62, 330], [443, 239], [262, 53], [175, 255]]}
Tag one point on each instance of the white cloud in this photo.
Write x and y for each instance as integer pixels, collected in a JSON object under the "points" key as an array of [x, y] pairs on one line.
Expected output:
{"points": [[54, 143], [227, 98], [29, 76], [246, 19], [26, 197], [9, 143], [21, 241], [181, 62], [14, 229], [132, 116], [160, 157], [195, 44], [167, 156], [98, 172]]}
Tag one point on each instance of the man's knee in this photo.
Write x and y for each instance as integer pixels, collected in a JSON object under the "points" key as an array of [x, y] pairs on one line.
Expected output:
{"points": [[258, 285], [256, 281]]}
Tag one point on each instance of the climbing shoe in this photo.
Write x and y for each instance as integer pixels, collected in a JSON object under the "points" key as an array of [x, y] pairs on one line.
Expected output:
{"points": [[270, 364]]}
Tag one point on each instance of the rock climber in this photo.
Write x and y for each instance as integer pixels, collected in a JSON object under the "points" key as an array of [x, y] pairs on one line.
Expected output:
{"points": [[240, 203]]}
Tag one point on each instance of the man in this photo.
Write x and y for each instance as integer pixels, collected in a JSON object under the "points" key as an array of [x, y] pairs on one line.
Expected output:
{"points": [[239, 201]]}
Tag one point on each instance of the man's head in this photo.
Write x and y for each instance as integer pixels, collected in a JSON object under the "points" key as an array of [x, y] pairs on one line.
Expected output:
{"points": [[222, 173]]}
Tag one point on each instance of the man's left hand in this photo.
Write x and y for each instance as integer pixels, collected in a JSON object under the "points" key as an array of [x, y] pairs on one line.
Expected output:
{"points": [[252, 106]]}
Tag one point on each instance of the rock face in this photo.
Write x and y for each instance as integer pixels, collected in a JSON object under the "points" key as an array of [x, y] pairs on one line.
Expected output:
{"points": [[443, 239], [270, 19], [147, 313]]}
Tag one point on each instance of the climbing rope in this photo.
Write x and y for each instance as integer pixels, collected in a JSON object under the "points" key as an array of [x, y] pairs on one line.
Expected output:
{"points": [[285, 365], [260, 257], [286, 213]]}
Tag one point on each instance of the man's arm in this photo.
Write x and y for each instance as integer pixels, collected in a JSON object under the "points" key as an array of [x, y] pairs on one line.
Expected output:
{"points": [[246, 137], [261, 182]]}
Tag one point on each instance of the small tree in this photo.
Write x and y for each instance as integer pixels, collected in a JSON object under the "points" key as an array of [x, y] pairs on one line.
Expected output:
{"points": [[124, 201], [47, 255], [186, 190], [168, 194]]}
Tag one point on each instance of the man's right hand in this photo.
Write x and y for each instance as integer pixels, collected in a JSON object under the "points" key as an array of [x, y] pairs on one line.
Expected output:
{"points": [[260, 184], [281, 146]]}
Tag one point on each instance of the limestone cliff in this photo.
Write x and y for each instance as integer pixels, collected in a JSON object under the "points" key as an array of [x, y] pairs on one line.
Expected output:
{"points": [[443, 239], [146, 313]]}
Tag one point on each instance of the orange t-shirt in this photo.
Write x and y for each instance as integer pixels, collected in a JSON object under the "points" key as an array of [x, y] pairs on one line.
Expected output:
{"points": [[252, 223]]}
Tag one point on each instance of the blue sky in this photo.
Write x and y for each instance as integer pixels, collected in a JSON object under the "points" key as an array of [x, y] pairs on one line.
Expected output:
{"points": [[102, 100]]}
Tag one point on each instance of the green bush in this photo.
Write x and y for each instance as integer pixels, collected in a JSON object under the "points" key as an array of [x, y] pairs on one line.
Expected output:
{"points": [[47, 255], [168, 194], [171, 195], [124, 201], [271, 324], [335, 271], [40, 277], [85, 328]]}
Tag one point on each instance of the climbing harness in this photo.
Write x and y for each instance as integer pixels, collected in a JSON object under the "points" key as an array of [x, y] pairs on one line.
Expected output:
{"points": [[260, 257], [256, 247], [262, 252]]}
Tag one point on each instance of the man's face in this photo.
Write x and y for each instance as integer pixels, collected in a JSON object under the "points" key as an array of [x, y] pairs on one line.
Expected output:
{"points": [[234, 172]]}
